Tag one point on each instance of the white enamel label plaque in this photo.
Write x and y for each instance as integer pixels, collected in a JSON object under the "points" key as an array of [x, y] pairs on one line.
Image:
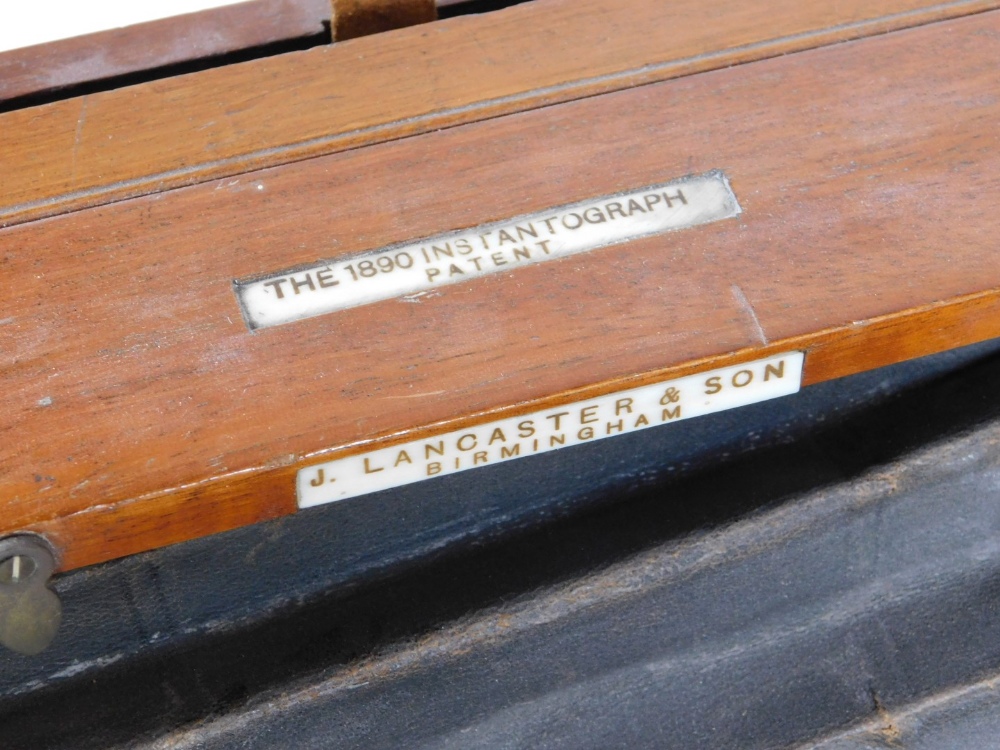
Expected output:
{"points": [[500, 247], [549, 429]]}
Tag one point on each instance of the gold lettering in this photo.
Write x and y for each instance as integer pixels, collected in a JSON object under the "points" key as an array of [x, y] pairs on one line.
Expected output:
{"points": [[277, 286], [623, 404], [577, 225], [614, 208], [678, 197], [506, 236], [325, 278], [556, 417], [530, 231], [777, 370], [306, 282]]}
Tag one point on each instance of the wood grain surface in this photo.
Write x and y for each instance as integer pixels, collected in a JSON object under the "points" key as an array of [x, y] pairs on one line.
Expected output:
{"points": [[144, 46], [351, 19], [226, 121], [139, 411]]}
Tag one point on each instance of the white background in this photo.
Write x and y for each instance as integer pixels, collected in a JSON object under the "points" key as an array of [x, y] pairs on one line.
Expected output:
{"points": [[27, 22]]}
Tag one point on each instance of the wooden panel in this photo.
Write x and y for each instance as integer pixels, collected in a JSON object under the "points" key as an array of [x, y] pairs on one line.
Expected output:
{"points": [[144, 46], [225, 121], [140, 411], [351, 19]]}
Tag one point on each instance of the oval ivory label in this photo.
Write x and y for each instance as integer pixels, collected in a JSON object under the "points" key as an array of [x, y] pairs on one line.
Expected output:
{"points": [[415, 267], [550, 429]]}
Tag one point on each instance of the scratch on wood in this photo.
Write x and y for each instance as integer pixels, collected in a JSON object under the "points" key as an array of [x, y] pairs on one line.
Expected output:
{"points": [[744, 303], [419, 395]]}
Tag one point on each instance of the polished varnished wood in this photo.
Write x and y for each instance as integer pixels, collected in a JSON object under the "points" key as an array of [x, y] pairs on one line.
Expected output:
{"points": [[180, 131], [139, 411], [351, 19], [180, 39]]}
